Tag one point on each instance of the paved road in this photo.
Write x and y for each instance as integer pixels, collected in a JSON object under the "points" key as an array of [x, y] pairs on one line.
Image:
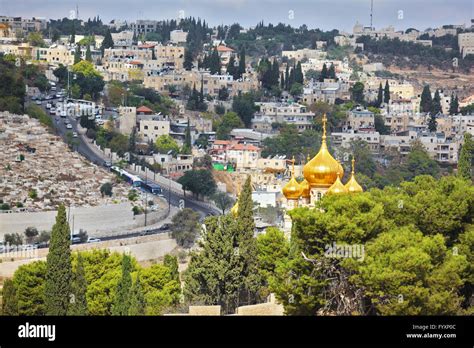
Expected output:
{"points": [[85, 149]]}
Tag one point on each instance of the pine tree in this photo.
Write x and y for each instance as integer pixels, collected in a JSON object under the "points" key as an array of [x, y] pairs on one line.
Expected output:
{"points": [[436, 104], [465, 157], [386, 93], [324, 73], [380, 96], [58, 267], [9, 299], [241, 70], [88, 54], [122, 296], [425, 103], [453, 105], [137, 298], [79, 304]]}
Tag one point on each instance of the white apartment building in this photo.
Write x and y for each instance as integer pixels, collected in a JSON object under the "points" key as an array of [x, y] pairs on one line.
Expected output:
{"points": [[178, 36], [151, 127], [305, 53], [283, 113], [466, 43], [344, 139]]}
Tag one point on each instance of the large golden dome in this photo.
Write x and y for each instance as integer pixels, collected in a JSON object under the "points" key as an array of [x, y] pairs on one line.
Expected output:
{"points": [[337, 188], [292, 190], [352, 185], [322, 170]]}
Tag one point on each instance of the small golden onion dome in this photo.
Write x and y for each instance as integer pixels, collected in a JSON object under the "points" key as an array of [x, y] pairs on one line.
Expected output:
{"points": [[322, 170], [338, 187], [352, 185], [305, 189], [235, 209], [292, 190]]}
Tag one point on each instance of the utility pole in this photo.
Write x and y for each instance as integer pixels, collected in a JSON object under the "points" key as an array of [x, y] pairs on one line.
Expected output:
{"points": [[146, 194]]}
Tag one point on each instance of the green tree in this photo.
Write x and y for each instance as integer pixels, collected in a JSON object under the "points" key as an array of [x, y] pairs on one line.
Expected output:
{"points": [[357, 92], [88, 54], [436, 104], [426, 100], [29, 282], [466, 157], [188, 60], [108, 42], [324, 73], [453, 105], [78, 302], [273, 249], [296, 89], [185, 227], [106, 189], [171, 262], [137, 298], [9, 299], [226, 124], [165, 143], [121, 304], [58, 267], [386, 93], [214, 275], [31, 233], [380, 95], [244, 106], [242, 64], [223, 201], [77, 54], [187, 147]]}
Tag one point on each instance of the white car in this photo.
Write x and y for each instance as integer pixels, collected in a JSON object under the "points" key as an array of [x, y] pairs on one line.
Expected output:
{"points": [[74, 134], [38, 102], [48, 106], [69, 126], [93, 240], [63, 113], [52, 111], [58, 95]]}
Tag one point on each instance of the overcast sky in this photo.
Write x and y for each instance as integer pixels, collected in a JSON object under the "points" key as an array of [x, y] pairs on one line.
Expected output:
{"points": [[324, 14]]}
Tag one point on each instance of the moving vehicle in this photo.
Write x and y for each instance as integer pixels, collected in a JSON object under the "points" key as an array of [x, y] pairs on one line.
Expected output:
{"points": [[152, 188], [48, 106], [93, 240], [134, 180], [74, 134], [69, 126], [63, 113]]}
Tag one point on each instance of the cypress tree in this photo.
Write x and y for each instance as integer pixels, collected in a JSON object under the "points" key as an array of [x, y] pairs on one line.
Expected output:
{"points": [[425, 103], [137, 298], [187, 148], [380, 96], [79, 285], [386, 93], [108, 41], [299, 74], [171, 262], [88, 54], [247, 246], [465, 157], [9, 299], [436, 104], [332, 72], [188, 60], [73, 33], [282, 81], [231, 68], [121, 304], [241, 63], [58, 267], [453, 105], [215, 66], [324, 73], [287, 77], [77, 54]]}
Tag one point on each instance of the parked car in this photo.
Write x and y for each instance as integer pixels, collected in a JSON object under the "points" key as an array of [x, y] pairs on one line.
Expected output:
{"points": [[69, 126], [48, 106], [93, 240], [76, 240], [108, 164], [38, 102], [74, 134]]}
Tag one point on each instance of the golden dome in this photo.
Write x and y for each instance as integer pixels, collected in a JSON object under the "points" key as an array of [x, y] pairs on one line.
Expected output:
{"points": [[306, 187], [352, 185], [292, 190], [322, 170], [337, 187]]}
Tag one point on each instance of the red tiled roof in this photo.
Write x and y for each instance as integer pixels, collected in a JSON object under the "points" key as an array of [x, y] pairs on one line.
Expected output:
{"points": [[222, 48], [143, 108], [221, 142], [244, 147], [147, 46]]}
